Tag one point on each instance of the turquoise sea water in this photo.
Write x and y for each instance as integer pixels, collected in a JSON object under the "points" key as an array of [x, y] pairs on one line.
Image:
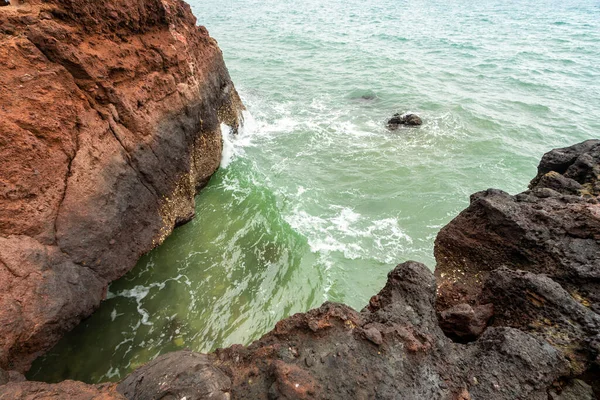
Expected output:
{"points": [[315, 199]]}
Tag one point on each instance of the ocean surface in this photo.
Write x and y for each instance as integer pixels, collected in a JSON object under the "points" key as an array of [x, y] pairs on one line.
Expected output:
{"points": [[315, 199]]}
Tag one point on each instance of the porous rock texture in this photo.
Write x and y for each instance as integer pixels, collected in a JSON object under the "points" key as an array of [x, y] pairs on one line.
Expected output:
{"points": [[393, 349], [110, 118], [534, 257], [65, 390]]}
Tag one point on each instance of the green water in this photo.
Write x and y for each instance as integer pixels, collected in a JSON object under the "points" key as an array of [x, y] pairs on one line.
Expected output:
{"points": [[316, 200]]}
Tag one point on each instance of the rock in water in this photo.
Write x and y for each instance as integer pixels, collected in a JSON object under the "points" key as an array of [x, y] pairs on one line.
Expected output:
{"points": [[392, 349], [110, 122], [412, 119], [406, 119]]}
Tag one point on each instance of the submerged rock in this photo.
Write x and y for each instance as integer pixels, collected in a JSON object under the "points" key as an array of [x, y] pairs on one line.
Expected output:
{"points": [[406, 119], [110, 122]]}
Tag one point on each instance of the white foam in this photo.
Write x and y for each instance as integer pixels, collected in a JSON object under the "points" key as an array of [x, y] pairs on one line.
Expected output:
{"points": [[228, 147], [234, 143], [112, 372], [138, 293], [350, 233]]}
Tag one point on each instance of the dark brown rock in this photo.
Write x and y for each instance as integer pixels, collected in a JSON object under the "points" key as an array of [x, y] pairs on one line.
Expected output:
{"points": [[535, 257], [407, 119], [464, 323], [70, 390], [183, 374], [542, 340], [575, 390], [109, 124], [413, 361], [553, 228], [373, 335], [537, 304]]}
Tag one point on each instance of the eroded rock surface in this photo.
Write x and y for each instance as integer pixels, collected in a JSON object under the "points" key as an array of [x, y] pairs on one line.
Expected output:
{"points": [[553, 228], [71, 390], [109, 123], [534, 257], [330, 353]]}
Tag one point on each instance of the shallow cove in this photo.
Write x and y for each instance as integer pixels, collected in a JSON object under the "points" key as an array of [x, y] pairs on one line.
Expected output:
{"points": [[316, 200]]}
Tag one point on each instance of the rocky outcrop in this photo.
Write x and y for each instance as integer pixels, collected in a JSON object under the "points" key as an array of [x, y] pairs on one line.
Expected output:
{"points": [[553, 228], [394, 348], [109, 123], [70, 390], [535, 257]]}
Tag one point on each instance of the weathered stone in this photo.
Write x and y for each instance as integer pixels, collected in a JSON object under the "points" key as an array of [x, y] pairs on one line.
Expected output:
{"points": [[181, 375], [70, 390], [373, 335], [547, 229], [415, 361], [4, 378], [109, 123], [575, 390], [407, 119], [535, 257], [464, 323], [535, 303]]}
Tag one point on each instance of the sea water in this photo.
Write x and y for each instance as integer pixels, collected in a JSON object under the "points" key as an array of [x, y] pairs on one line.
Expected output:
{"points": [[316, 200]]}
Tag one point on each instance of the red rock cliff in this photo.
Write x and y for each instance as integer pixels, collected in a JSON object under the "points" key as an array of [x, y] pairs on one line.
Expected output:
{"points": [[109, 123]]}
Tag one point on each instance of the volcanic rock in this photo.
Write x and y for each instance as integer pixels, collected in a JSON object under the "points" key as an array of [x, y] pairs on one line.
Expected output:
{"points": [[109, 124], [535, 257], [414, 359], [110, 119], [71, 390], [575, 390], [539, 305], [407, 119], [531, 332], [553, 228], [464, 323]]}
